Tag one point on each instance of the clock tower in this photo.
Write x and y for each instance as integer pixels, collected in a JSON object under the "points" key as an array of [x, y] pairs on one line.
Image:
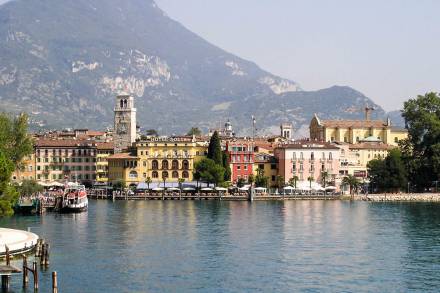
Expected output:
{"points": [[124, 133]]}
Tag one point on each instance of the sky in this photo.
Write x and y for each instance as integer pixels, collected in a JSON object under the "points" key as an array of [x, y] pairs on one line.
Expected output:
{"points": [[388, 50]]}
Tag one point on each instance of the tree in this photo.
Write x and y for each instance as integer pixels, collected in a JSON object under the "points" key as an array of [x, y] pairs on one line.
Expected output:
{"points": [[227, 167], [352, 182], [15, 144], [29, 187], [181, 180], [310, 179], [215, 149], [119, 184], [152, 132], [324, 175], [148, 182], [208, 171], [240, 182], [251, 179], [421, 151], [388, 174], [260, 179], [194, 131], [279, 181], [293, 181]]}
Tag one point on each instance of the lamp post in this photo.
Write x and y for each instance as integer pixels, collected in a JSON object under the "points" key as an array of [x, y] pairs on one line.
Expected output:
{"points": [[408, 186]]}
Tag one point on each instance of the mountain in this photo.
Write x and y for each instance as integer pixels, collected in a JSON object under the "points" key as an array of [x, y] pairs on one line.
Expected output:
{"points": [[397, 118], [64, 61]]}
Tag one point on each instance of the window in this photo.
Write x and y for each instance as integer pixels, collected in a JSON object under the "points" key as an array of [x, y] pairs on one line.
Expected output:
{"points": [[294, 156], [133, 174], [273, 166], [185, 165], [273, 178], [396, 140], [245, 167], [185, 174], [155, 165], [175, 174], [293, 167], [301, 167], [312, 156], [332, 139], [164, 174], [330, 156], [164, 164], [175, 165], [261, 166], [155, 174], [301, 156], [238, 167]]}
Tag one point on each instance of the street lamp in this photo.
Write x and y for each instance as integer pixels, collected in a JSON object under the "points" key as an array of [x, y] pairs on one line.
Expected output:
{"points": [[408, 186]]}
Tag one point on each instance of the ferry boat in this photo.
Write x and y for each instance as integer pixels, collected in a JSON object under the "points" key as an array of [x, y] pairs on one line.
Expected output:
{"points": [[74, 199]]}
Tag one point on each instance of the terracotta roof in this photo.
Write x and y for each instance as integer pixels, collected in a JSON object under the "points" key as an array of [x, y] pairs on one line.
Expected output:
{"points": [[354, 123], [104, 145], [122, 156], [371, 145], [63, 143], [95, 133], [308, 145]]}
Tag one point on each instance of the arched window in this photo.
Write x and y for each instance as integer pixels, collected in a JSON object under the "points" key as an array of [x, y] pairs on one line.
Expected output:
{"points": [[125, 103], [155, 174], [301, 156], [175, 165], [312, 156], [185, 165], [121, 104], [133, 174], [330, 157], [165, 165], [155, 165], [175, 174], [165, 174], [185, 174]]}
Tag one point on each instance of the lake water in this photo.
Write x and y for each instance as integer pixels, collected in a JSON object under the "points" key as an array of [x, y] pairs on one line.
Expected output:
{"points": [[211, 246]]}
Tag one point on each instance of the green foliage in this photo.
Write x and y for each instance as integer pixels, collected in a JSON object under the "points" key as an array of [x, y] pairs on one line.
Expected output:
{"points": [[279, 181], [292, 181], [148, 182], [119, 184], [227, 167], [251, 179], [352, 182], [421, 152], [310, 179], [260, 179], [29, 187], [388, 174], [215, 149], [15, 142], [194, 131], [325, 175], [241, 182], [152, 132], [207, 170]]}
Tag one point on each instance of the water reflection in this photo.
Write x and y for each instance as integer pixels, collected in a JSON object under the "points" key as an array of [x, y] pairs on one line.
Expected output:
{"points": [[211, 246]]}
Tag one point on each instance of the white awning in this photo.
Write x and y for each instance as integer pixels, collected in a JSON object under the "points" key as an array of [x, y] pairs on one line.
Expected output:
{"points": [[207, 189], [221, 189], [330, 188]]}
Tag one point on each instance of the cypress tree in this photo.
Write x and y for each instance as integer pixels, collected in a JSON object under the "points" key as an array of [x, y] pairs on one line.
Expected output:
{"points": [[215, 150]]}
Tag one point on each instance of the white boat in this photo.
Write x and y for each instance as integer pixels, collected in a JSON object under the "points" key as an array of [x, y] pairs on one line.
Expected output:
{"points": [[74, 199]]}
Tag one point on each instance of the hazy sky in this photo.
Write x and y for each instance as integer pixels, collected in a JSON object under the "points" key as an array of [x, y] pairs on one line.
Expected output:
{"points": [[389, 50]]}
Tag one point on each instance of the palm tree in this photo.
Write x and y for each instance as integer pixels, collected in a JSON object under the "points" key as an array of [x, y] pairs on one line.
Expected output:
{"points": [[148, 181], [310, 179], [352, 182], [293, 181], [324, 175], [181, 180], [279, 180]]}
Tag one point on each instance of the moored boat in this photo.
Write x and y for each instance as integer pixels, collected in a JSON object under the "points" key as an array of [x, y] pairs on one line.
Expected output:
{"points": [[74, 199]]}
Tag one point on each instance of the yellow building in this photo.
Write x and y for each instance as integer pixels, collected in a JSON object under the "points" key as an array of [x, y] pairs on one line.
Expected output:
{"points": [[268, 164], [355, 157], [172, 158], [26, 170], [103, 151], [354, 131]]}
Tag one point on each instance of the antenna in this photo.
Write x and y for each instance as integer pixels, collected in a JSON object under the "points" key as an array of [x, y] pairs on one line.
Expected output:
{"points": [[368, 111]]}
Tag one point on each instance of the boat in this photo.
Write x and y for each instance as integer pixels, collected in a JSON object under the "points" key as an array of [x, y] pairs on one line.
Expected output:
{"points": [[74, 199], [26, 206]]}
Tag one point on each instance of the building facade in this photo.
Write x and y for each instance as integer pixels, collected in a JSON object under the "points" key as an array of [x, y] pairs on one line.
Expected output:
{"points": [[124, 133], [103, 151], [353, 131], [240, 158], [307, 159]]}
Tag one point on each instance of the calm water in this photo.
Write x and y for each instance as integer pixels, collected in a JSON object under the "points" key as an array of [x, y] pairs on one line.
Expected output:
{"points": [[308, 246]]}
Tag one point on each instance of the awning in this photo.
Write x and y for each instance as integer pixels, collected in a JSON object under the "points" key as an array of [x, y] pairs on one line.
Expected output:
{"points": [[221, 189], [207, 189], [173, 189], [330, 188], [289, 188], [157, 189]]}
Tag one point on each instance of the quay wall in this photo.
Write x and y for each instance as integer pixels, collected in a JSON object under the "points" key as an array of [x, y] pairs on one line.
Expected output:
{"points": [[414, 197]]}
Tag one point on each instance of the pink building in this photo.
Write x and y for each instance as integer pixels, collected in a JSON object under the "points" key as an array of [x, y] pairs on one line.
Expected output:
{"points": [[306, 159]]}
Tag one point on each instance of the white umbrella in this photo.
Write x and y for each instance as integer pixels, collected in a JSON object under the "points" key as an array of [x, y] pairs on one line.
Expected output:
{"points": [[188, 189], [289, 188], [244, 188], [56, 184], [157, 189], [207, 189], [221, 189], [330, 188], [173, 189]]}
